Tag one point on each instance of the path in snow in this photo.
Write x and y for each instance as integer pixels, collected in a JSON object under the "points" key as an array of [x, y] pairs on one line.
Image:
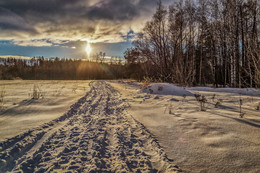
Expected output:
{"points": [[95, 135]]}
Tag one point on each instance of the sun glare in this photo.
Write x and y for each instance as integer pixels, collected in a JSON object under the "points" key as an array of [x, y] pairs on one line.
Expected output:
{"points": [[88, 49]]}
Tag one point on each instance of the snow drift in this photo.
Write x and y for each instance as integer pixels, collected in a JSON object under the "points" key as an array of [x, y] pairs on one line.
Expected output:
{"points": [[242, 91], [166, 89]]}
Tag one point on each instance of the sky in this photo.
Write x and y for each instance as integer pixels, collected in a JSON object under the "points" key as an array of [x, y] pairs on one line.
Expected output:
{"points": [[62, 28]]}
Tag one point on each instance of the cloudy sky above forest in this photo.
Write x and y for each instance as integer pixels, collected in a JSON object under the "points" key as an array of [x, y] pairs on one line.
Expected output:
{"points": [[61, 28]]}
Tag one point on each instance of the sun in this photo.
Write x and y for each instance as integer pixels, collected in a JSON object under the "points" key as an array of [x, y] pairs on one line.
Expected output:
{"points": [[88, 49]]}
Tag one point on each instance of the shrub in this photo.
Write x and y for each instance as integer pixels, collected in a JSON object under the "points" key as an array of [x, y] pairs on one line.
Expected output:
{"points": [[36, 93]]}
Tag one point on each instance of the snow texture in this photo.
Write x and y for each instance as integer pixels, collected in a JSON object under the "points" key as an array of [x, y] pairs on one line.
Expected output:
{"points": [[95, 135], [242, 91]]}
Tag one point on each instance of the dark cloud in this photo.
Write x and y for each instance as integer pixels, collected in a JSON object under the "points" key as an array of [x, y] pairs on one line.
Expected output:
{"points": [[102, 9], [102, 20], [44, 7], [120, 9], [37, 11], [11, 22], [113, 10]]}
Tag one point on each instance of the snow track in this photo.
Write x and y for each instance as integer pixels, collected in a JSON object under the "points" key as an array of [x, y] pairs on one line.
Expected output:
{"points": [[95, 135]]}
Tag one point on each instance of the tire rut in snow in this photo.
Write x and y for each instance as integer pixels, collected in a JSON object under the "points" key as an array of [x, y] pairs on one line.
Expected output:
{"points": [[98, 137]]}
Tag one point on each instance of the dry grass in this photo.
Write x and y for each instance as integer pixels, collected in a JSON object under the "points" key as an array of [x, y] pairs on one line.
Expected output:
{"points": [[146, 82], [202, 100], [258, 106], [36, 92], [2, 95]]}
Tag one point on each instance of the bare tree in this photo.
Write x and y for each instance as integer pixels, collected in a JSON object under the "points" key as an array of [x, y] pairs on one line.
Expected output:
{"points": [[200, 42]]}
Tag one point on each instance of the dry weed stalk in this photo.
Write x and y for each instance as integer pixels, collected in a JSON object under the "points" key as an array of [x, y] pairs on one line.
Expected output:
{"points": [[213, 97], [219, 102], [197, 96], [202, 100], [2, 95], [36, 94], [240, 106], [258, 106], [146, 82]]}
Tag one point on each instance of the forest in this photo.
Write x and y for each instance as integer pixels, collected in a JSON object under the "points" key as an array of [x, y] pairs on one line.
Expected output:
{"points": [[201, 42], [58, 69]]}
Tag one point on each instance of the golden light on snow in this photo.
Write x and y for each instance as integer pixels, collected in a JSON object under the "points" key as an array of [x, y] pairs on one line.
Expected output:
{"points": [[88, 49]]}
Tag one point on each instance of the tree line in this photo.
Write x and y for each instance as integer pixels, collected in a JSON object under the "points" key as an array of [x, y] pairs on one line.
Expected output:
{"points": [[59, 69], [198, 42]]}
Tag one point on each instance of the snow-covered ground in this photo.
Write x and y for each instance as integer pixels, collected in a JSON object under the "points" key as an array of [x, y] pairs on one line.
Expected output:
{"points": [[117, 126], [214, 140], [95, 135], [19, 112]]}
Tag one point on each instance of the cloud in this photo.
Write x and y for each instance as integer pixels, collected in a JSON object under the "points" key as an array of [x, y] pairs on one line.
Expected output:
{"points": [[130, 36], [37, 43], [53, 22], [15, 56], [13, 23], [112, 10]]}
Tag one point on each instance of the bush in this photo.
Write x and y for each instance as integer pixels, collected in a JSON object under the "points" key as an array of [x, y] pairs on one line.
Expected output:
{"points": [[36, 93]]}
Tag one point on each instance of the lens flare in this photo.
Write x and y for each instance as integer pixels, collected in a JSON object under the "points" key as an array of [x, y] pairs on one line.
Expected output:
{"points": [[88, 49]]}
